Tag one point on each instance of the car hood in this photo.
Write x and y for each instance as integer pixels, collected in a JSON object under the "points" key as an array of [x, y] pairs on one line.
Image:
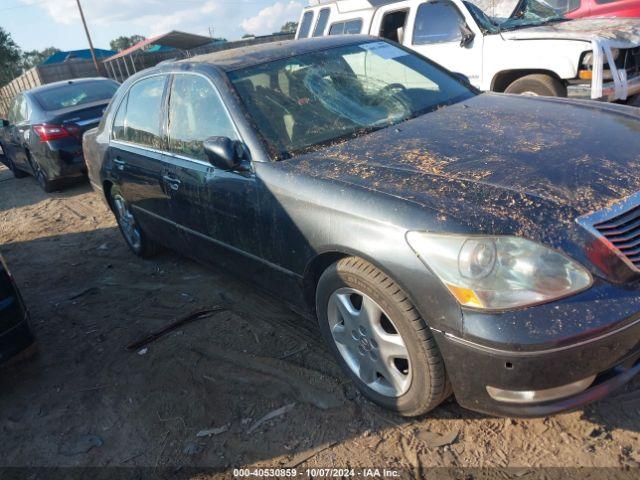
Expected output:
{"points": [[624, 31], [503, 163]]}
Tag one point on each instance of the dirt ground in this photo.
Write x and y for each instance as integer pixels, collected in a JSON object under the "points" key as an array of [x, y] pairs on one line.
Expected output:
{"points": [[84, 400]]}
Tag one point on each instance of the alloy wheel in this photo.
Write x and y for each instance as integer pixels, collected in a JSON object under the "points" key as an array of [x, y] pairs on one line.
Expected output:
{"points": [[369, 342], [127, 223]]}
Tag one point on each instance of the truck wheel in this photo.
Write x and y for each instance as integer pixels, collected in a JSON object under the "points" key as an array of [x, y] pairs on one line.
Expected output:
{"points": [[538, 84], [379, 338], [136, 239]]}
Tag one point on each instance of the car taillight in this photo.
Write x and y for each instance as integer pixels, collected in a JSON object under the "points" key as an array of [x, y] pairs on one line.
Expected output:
{"points": [[47, 132]]}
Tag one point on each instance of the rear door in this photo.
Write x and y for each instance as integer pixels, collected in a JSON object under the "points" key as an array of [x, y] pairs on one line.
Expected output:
{"points": [[213, 207], [136, 156]]}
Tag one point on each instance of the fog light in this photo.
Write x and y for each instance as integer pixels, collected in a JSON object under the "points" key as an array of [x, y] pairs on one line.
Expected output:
{"points": [[535, 396]]}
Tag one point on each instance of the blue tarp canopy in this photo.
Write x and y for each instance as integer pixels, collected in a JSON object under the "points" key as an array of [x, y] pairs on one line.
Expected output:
{"points": [[61, 57]]}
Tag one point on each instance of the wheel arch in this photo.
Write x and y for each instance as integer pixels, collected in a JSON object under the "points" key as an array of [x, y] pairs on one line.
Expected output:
{"points": [[504, 78], [318, 264], [107, 185], [314, 270]]}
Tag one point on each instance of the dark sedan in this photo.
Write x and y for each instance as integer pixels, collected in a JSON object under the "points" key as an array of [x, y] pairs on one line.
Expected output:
{"points": [[449, 241], [15, 332], [43, 134]]}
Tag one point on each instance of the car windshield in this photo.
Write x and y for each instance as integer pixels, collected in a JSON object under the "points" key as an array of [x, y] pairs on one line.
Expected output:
{"points": [[306, 101], [530, 13], [75, 94], [485, 22]]}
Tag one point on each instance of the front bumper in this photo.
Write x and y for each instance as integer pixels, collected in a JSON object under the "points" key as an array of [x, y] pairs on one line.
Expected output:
{"points": [[583, 90], [614, 358]]}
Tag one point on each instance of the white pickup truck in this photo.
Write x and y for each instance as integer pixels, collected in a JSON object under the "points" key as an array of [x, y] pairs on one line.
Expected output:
{"points": [[513, 46]]}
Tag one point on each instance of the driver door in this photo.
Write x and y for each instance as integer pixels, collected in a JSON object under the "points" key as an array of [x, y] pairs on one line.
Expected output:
{"points": [[435, 30], [215, 210]]}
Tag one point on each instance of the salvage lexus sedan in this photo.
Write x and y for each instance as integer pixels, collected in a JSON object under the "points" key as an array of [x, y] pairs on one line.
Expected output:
{"points": [[484, 245], [43, 134]]}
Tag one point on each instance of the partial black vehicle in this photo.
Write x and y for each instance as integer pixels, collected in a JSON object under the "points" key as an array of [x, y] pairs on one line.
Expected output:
{"points": [[15, 332], [449, 241], [43, 133]]}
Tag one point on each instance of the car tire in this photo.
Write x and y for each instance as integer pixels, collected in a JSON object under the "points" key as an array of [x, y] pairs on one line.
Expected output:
{"points": [[17, 173], [538, 84], [41, 177], [139, 243], [363, 341]]}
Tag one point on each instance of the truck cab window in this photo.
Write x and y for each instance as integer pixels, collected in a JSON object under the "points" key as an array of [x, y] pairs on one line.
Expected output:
{"points": [[305, 26], [323, 19], [437, 22], [351, 27], [393, 25]]}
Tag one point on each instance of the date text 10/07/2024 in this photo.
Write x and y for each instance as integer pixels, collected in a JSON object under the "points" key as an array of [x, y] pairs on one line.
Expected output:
{"points": [[316, 473]]}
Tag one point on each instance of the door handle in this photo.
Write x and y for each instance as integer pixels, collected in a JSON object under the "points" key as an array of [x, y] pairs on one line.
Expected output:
{"points": [[119, 163], [173, 182]]}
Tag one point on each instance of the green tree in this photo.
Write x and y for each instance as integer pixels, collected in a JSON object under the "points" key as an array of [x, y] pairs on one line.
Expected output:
{"points": [[289, 27], [122, 42], [33, 58], [9, 58], [248, 35]]}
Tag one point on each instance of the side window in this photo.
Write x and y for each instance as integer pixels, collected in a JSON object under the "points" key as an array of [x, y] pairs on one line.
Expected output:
{"points": [[323, 19], [352, 27], [24, 109], [14, 110], [196, 112], [142, 118], [305, 26], [437, 22], [117, 131], [565, 6], [393, 25]]}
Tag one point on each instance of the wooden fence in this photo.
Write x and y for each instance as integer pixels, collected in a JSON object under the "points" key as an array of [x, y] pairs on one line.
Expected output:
{"points": [[118, 69]]}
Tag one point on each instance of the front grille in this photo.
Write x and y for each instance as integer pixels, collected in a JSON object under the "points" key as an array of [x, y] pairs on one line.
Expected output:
{"points": [[619, 226], [630, 61]]}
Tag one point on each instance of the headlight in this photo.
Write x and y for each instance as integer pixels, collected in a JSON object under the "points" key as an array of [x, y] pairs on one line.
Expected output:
{"points": [[495, 273], [587, 60]]}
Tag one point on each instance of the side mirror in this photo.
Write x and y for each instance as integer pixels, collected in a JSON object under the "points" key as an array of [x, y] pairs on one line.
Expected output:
{"points": [[4, 122], [467, 35], [223, 153]]}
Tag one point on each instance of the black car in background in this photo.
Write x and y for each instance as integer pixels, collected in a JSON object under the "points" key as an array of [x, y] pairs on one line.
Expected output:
{"points": [[15, 333], [449, 241], [43, 133]]}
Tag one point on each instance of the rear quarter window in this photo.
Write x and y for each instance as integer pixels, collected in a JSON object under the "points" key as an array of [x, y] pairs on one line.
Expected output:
{"points": [[139, 116]]}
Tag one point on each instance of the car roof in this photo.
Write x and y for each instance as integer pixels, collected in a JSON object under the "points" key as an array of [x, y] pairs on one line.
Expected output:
{"points": [[237, 58], [75, 81]]}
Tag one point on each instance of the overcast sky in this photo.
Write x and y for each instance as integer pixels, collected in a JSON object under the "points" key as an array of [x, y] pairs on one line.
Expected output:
{"points": [[37, 24]]}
